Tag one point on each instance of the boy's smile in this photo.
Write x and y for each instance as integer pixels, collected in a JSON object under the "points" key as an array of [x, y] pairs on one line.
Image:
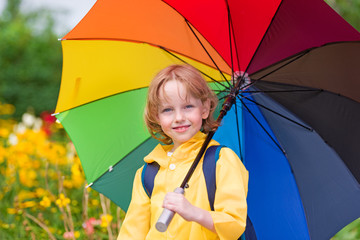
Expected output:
{"points": [[181, 128], [180, 114]]}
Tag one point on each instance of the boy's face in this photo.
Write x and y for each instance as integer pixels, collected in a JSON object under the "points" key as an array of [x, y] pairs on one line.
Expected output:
{"points": [[180, 114]]}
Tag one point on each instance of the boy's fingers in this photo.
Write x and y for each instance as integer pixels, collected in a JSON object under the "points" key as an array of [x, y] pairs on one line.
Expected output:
{"points": [[173, 196], [173, 200]]}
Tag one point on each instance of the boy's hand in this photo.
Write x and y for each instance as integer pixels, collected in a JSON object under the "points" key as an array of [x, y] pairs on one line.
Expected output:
{"points": [[179, 204]]}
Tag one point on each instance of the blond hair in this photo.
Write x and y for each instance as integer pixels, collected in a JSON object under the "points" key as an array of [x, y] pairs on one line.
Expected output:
{"points": [[195, 85]]}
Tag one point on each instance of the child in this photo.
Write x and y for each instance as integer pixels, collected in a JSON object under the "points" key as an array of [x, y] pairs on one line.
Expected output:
{"points": [[180, 105]]}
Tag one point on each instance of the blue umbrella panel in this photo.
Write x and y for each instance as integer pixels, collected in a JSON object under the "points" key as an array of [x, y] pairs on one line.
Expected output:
{"points": [[299, 186]]}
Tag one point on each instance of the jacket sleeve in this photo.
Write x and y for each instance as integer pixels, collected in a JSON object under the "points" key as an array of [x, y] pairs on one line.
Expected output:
{"points": [[136, 224], [230, 207]]}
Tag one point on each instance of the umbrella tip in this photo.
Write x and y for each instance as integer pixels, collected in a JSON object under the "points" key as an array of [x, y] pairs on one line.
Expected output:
{"points": [[89, 185]]}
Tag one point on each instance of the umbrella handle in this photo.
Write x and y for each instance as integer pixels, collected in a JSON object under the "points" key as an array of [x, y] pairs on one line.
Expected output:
{"points": [[166, 215]]}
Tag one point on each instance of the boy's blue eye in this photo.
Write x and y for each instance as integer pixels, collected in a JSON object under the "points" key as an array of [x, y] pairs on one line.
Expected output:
{"points": [[166, 110], [189, 106]]}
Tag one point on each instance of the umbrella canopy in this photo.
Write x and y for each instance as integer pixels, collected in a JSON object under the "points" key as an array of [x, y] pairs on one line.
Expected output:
{"points": [[297, 120]]}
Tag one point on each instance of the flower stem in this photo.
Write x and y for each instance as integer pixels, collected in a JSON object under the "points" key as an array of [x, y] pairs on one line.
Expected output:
{"points": [[42, 225]]}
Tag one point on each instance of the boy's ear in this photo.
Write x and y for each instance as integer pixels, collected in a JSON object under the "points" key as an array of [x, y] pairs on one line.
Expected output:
{"points": [[206, 109]]}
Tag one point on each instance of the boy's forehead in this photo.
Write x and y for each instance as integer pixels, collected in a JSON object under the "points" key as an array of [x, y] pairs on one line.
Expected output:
{"points": [[169, 97], [173, 88]]}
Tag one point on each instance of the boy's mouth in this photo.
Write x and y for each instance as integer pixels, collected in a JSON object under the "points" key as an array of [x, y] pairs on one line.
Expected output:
{"points": [[182, 128]]}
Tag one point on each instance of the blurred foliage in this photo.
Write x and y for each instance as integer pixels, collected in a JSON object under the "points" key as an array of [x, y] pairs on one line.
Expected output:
{"points": [[348, 9], [30, 60], [350, 232]]}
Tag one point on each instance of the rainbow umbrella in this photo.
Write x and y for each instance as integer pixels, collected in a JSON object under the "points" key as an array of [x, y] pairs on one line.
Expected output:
{"points": [[294, 123]]}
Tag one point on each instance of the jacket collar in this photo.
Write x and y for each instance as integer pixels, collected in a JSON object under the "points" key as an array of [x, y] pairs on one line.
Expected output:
{"points": [[185, 152]]}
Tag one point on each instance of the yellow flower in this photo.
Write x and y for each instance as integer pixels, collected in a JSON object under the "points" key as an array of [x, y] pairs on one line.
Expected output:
{"points": [[45, 202], [76, 234], [77, 174], [27, 177], [105, 220], [3, 154], [5, 225], [11, 211], [40, 192], [57, 154], [62, 201], [68, 184], [28, 204], [23, 194], [4, 132], [6, 109], [95, 202]]}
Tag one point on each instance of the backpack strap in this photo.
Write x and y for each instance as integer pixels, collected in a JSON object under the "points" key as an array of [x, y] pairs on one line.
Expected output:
{"points": [[249, 233], [148, 176], [209, 170]]}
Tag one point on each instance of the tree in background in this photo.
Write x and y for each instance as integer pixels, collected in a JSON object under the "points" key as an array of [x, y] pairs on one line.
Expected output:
{"points": [[30, 60]]}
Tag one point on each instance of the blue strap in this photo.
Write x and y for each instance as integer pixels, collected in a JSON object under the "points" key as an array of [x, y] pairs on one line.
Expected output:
{"points": [[148, 176], [209, 169], [249, 233]]}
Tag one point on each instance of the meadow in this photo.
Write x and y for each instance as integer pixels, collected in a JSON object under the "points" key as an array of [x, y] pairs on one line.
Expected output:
{"points": [[42, 185]]}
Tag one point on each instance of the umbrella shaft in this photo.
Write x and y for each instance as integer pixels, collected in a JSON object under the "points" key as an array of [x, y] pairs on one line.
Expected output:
{"points": [[226, 107], [197, 159]]}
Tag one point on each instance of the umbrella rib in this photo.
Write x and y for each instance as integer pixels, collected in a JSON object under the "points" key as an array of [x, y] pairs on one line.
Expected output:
{"points": [[231, 30], [285, 64], [254, 81], [238, 132], [269, 135], [217, 91], [279, 114], [202, 45], [182, 60], [118, 162], [262, 39], [230, 42], [284, 91], [221, 98]]}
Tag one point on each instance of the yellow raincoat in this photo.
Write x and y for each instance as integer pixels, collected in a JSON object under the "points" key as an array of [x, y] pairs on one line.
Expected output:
{"points": [[230, 199]]}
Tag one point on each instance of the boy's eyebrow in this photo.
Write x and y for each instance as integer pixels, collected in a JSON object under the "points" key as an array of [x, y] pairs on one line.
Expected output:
{"points": [[164, 104]]}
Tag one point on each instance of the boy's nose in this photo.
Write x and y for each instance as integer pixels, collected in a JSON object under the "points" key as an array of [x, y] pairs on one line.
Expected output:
{"points": [[179, 116]]}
